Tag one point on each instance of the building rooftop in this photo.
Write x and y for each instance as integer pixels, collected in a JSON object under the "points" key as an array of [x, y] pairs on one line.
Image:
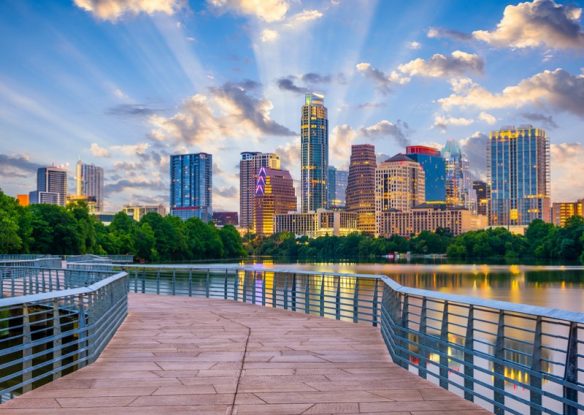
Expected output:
{"points": [[398, 157]]}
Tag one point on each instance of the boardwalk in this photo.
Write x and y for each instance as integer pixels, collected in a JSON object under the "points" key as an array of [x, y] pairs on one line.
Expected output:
{"points": [[180, 355]]}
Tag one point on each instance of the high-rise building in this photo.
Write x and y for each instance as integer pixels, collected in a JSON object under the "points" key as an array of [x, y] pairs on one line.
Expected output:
{"points": [[249, 166], [482, 197], [458, 179], [89, 182], [434, 170], [313, 153], [361, 186], [274, 195], [518, 161], [191, 184], [399, 185], [341, 181], [562, 211], [331, 186], [51, 186]]}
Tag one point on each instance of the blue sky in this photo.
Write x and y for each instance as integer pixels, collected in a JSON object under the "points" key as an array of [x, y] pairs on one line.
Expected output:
{"points": [[125, 83]]}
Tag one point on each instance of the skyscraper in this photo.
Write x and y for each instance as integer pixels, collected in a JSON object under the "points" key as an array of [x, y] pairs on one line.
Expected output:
{"points": [[518, 167], [51, 186], [191, 183], [89, 183], [399, 184], [314, 153], [331, 186], [458, 180], [434, 169], [361, 186], [482, 196], [274, 195], [249, 166], [341, 181]]}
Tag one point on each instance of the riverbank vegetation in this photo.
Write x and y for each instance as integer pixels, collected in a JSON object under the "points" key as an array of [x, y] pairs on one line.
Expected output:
{"points": [[51, 229]]}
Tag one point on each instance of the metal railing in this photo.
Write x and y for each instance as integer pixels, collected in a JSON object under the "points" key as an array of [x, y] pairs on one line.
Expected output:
{"points": [[508, 358], [44, 262], [115, 259], [48, 334]]}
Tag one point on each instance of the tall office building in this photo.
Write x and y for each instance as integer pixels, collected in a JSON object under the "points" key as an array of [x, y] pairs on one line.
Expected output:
{"points": [[434, 170], [314, 153], [331, 186], [191, 184], [399, 185], [274, 195], [51, 186], [89, 183], [482, 197], [518, 167], [249, 166], [458, 180], [361, 186], [341, 181]]}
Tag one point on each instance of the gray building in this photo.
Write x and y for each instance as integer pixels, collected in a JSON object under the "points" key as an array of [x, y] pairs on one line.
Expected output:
{"points": [[191, 184], [51, 186], [89, 182]]}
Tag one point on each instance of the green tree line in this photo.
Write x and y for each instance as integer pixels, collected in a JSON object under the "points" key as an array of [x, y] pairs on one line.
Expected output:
{"points": [[72, 230]]}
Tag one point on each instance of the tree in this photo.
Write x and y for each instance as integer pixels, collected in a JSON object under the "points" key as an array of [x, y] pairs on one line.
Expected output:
{"points": [[145, 243], [54, 231], [232, 245], [10, 238]]}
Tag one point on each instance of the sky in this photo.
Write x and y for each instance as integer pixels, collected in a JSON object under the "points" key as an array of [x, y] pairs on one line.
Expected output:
{"points": [[125, 83]]}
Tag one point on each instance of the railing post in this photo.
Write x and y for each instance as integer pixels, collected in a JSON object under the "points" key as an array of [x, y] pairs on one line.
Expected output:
{"points": [[338, 299], [286, 292], [135, 281], [264, 288], [499, 375], [535, 380], [307, 295], [244, 287], [26, 350], [404, 336], [57, 278], [58, 342], [158, 282], [253, 287], [207, 284], [469, 356], [322, 296], [294, 292], [82, 332], [444, 348], [190, 283], [143, 281], [43, 281], [423, 341], [236, 285], [375, 309], [173, 282], [356, 302], [571, 371], [274, 292]]}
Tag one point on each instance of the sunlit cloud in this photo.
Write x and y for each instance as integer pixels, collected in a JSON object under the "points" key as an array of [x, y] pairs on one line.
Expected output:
{"points": [[488, 118], [118, 150], [266, 10], [115, 9], [442, 122], [268, 35]]}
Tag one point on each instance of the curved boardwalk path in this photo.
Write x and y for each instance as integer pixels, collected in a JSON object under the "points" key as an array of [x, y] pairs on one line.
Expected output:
{"points": [[180, 355]]}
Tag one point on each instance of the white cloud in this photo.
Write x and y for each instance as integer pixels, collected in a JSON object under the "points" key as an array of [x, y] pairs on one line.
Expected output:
{"points": [[116, 150], [557, 89], [385, 128], [488, 118], [342, 138], [414, 45], [442, 122], [268, 35], [99, 151], [567, 171], [266, 10], [303, 17], [539, 23], [114, 9]]}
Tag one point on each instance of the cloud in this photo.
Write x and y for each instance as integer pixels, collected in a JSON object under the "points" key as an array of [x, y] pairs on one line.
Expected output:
{"points": [[315, 78], [341, 139], [303, 17], [114, 9], [385, 128], [557, 89], [138, 110], [456, 64], [268, 35], [289, 155], [414, 45], [488, 118], [474, 148], [567, 171], [442, 66], [125, 150], [442, 122], [439, 32], [287, 84], [539, 23], [546, 120], [367, 105], [266, 10], [232, 110], [227, 192], [17, 165], [138, 183]]}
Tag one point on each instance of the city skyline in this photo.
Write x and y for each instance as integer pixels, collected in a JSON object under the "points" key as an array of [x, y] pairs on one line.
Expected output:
{"points": [[222, 77]]}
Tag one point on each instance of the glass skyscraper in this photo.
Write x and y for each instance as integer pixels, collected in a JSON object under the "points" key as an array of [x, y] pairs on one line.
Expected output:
{"points": [[458, 180], [434, 171], [51, 186], [336, 187], [191, 183], [314, 153], [518, 161], [89, 182], [250, 164]]}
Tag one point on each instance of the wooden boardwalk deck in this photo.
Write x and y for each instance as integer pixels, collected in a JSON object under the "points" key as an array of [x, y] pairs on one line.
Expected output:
{"points": [[180, 355]]}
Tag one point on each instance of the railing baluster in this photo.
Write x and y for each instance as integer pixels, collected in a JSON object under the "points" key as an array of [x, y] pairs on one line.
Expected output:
{"points": [[207, 283], [375, 310], [294, 292], [173, 282], [338, 299], [499, 375], [444, 348], [307, 295], [468, 356], [158, 282], [322, 296], [535, 380], [225, 287], [244, 287], [235, 285], [263, 288], [274, 292], [253, 287], [58, 342], [571, 371], [191, 284], [26, 350], [286, 292], [423, 341], [356, 302], [404, 336]]}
